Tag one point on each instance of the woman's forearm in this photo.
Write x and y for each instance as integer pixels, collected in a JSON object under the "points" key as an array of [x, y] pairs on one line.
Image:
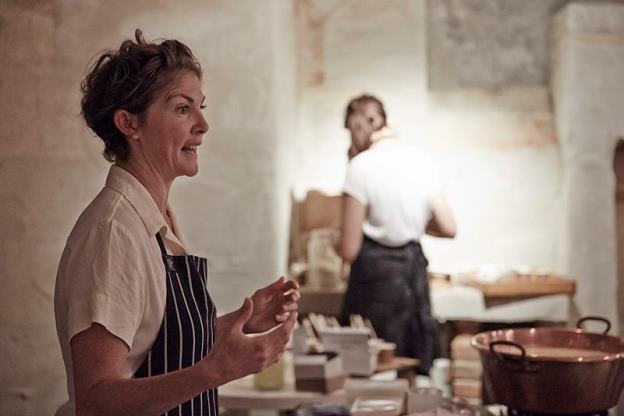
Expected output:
{"points": [[101, 388], [98, 358], [147, 396]]}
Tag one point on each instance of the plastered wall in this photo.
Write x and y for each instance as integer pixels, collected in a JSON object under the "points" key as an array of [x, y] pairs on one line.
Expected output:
{"points": [[50, 166], [588, 91], [527, 181], [495, 144]]}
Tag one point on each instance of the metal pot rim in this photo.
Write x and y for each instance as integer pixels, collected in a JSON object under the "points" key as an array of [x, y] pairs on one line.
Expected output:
{"points": [[481, 342]]}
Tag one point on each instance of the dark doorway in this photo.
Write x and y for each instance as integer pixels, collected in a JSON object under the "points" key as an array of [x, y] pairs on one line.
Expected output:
{"points": [[618, 167]]}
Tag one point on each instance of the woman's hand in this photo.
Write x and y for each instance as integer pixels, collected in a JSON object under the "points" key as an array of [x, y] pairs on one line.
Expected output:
{"points": [[272, 305], [236, 354]]}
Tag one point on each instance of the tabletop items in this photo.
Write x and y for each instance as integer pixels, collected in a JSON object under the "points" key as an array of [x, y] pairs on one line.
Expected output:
{"points": [[378, 406], [322, 372], [271, 378], [358, 345], [466, 370]]}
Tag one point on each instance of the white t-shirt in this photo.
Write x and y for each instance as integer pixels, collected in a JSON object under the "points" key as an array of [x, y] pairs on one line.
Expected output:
{"points": [[395, 182], [111, 272]]}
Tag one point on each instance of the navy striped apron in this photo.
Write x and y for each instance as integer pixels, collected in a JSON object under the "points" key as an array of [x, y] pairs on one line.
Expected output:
{"points": [[187, 331]]}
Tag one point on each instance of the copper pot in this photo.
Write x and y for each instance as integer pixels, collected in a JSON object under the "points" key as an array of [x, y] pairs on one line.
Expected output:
{"points": [[550, 370]]}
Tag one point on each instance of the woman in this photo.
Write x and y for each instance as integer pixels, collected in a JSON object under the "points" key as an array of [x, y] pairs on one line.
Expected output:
{"points": [[137, 327], [390, 200]]}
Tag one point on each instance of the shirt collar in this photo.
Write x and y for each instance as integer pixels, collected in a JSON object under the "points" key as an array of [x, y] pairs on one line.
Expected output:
{"points": [[126, 184], [384, 133]]}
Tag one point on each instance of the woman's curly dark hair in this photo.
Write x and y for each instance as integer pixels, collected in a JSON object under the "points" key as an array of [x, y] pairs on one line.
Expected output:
{"points": [[129, 78]]}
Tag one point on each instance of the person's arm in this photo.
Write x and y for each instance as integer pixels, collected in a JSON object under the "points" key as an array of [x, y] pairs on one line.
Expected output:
{"points": [[98, 358], [441, 224], [350, 242]]}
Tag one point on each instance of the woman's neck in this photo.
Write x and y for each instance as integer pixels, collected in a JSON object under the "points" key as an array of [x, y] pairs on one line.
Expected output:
{"points": [[157, 187]]}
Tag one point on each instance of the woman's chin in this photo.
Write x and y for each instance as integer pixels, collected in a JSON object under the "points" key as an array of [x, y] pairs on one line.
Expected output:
{"points": [[192, 172], [188, 170]]}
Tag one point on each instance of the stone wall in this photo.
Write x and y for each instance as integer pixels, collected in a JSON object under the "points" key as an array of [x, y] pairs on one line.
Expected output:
{"points": [[489, 43]]}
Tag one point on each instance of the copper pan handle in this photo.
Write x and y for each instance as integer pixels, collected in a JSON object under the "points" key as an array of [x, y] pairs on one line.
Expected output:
{"points": [[520, 364], [511, 344], [607, 323]]}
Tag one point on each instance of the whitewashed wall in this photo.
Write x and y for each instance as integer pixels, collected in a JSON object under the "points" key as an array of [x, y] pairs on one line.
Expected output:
{"points": [[496, 147], [278, 74], [50, 167], [588, 88], [348, 48]]}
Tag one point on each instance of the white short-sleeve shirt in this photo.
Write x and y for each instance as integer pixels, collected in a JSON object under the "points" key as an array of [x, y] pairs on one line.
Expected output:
{"points": [[112, 273], [395, 181]]}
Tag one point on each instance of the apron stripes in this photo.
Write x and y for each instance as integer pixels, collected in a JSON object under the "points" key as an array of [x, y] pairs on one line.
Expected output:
{"points": [[187, 331]]}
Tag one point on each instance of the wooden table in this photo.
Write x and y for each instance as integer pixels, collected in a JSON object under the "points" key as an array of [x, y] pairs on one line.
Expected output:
{"points": [[329, 301], [521, 287], [525, 286], [404, 366]]}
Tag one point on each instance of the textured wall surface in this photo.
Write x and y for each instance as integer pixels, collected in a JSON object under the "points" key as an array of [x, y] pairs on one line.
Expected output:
{"points": [[589, 41], [500, 160], [234, 211], [347, 48], [489, 43], [497, 149], [277, 77]]}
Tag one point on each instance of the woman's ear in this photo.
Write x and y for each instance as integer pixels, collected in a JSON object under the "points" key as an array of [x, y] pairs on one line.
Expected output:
{"points": [[127, 123]]}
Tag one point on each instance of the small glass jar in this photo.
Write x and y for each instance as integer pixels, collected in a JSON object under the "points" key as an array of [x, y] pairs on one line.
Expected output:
{"points": [[271, 378]]}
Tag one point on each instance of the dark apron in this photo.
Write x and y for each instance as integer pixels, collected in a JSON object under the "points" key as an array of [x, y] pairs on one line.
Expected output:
{"points": [[188, 329], [389, 286]]}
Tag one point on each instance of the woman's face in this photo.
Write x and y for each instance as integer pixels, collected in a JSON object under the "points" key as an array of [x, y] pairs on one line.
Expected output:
{"points": [[172, 128]]}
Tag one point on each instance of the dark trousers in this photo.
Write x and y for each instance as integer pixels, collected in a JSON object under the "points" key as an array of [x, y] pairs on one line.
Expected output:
{"points": [[389, 286]]}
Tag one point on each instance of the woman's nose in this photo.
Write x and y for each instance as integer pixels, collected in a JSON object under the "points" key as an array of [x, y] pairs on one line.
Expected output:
{"points": [[202, 125]]}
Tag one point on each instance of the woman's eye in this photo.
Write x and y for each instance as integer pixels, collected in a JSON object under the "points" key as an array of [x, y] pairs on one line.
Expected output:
{"points": [[202, 107], [183, 109]]}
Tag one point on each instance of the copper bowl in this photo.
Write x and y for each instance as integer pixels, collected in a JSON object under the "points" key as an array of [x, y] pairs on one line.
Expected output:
{"points": [[550, 370]]}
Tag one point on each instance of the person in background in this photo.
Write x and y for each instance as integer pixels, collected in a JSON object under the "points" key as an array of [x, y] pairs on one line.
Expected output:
{"points": [[391, 198], [138, 330]]}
